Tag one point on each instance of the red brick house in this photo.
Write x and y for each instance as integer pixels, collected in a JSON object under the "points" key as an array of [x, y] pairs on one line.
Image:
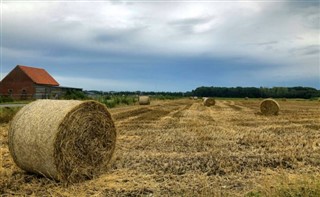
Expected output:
{"points": [[25, 82]]}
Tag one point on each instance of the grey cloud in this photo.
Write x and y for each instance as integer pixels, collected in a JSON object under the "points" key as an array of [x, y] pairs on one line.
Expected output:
{"points": [[313, 20], [63, 23], [303, 4], [87, 37], [186, 25], [267, 43], [264, 43], [308, 10], [308, 50], [116, 36], [192, 21], [116, 2]]}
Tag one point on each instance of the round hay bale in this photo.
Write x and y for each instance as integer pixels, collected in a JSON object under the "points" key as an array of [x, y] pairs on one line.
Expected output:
{"points": [[144, 100], [209, 102], [246, 98], [70, 141], [269, 107]]}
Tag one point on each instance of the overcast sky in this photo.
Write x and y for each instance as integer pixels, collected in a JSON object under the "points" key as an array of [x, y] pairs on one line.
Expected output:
{"points": [[165, 46]]}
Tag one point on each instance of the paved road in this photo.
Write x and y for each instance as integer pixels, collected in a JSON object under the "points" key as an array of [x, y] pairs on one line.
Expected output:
{"points": [[12, 105]]}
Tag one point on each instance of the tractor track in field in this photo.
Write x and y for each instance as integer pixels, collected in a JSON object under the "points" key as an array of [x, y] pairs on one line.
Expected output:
{"points": [[146, 117], [130, 113]]}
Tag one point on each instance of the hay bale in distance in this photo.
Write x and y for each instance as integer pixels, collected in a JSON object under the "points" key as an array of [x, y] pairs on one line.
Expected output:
{"points": [[269, 107], [144, 100], [69, 141], [246, 98], [209, 102]]}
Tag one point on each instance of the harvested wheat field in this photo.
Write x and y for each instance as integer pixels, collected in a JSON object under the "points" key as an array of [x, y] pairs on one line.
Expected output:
{"points": [[182, 148]]}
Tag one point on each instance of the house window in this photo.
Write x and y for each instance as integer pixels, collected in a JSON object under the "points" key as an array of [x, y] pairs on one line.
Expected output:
{"points": [[24, 94], [10, 92]]}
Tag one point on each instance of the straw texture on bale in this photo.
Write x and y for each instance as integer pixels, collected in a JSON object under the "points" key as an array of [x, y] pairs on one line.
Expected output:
{"points": [[269, 107], [209, 102], [144, 100], [70, 141]]}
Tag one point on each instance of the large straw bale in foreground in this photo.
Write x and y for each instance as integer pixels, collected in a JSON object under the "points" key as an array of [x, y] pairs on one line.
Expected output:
{"points": [[69, 141], [209, 102], [144, 100], [269, 107]]}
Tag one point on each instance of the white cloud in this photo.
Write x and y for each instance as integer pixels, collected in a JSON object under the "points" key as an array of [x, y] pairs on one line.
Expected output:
{"points": [[155, 28], [275, 33]]}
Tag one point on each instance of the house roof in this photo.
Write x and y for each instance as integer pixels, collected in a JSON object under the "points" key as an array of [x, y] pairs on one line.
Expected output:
{"points": [[38, 75]]}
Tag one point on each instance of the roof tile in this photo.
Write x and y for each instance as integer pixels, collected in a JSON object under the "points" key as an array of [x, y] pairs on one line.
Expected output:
{"points": [[39, 76]]}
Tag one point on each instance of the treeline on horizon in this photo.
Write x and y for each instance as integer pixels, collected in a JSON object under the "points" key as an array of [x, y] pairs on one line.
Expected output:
{"points": [[230, 92], [253, 92]]}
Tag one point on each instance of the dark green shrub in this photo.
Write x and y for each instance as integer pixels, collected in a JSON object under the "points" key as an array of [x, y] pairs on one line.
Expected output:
{"points": [[75, 95], [6, 99], [7, 113]]}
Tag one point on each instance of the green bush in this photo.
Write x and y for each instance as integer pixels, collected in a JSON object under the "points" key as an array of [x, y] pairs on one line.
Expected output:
{"points": [[128, 100], [7, 113], [6, 99], [75, 95], [166, 97], [112, 101]]}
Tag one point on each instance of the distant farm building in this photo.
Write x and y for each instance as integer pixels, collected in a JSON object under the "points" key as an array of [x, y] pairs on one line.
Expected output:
{"points": [[25, 82]]}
